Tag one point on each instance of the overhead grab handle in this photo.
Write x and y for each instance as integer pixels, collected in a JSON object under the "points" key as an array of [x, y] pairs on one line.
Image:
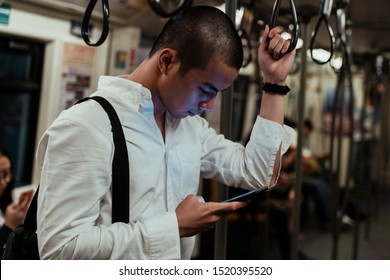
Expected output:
{"points": [[274, 16], [243, 31], [341, 19], [326, 8], [169, 8], [325, 11], [86, 19]]}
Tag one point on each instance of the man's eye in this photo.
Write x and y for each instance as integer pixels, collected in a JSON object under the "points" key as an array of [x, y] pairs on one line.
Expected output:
{"points": [[204, 91]]}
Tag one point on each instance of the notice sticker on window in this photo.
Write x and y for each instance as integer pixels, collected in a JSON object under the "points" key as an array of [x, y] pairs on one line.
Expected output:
{"points": [[5, 11]]}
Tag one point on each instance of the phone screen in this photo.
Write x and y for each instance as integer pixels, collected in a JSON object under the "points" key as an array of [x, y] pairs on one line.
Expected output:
{"points": [[244, 196]]}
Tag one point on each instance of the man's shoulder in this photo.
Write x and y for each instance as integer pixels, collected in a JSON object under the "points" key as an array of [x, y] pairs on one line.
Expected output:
{"points": [[88, 115]]}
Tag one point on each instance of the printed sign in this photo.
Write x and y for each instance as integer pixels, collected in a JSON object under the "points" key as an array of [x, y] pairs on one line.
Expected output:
{"points": [[5, 11]]}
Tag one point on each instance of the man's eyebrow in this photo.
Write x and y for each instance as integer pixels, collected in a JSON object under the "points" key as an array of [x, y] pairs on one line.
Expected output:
{"points": [[211, 86]]}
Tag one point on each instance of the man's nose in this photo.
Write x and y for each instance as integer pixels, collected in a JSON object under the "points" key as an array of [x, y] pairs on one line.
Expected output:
{"points": [[208, 105]]}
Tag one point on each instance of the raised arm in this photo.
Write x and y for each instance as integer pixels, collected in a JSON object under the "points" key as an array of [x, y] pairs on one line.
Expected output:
{"points": [[275, 65]]}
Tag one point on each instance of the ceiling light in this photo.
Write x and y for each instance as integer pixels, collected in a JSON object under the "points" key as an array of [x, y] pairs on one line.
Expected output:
{"points": [[337, 63], [319, 54]]}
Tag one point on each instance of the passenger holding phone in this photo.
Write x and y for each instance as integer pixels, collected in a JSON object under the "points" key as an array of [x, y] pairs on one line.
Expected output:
{"points": [[12, 212], [170, 146]]}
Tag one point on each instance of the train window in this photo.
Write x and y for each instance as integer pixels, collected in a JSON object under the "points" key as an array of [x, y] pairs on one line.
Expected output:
{"points": [[20, 85], [15, 66]]}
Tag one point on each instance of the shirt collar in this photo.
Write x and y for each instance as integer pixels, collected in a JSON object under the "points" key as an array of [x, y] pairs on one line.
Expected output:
{"points": [[130, 93]]}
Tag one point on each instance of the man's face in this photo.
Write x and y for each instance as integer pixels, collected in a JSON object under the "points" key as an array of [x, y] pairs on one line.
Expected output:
{"points": [[194, 92]]}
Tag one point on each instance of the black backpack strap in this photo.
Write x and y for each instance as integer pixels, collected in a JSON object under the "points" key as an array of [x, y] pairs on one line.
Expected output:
{"points": [[120, 165]]}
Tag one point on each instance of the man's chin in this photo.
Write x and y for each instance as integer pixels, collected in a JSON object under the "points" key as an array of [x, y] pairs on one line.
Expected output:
{"points": [[191, 114], [183, 115]]}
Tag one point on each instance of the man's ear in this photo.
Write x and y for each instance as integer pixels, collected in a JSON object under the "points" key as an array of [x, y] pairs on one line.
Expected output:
{"points": [[165, 60]]}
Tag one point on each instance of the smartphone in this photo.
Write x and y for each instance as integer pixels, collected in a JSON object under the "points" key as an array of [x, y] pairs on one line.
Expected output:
{"points": [[26, 196], [244, 196]]}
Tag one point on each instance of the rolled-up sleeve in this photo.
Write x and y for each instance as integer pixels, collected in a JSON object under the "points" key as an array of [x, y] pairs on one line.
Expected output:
{"points": [[248, 167]]}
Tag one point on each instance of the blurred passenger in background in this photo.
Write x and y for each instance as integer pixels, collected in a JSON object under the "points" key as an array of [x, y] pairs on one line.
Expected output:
{"points": [[12, 212], [366, 131], [315, 189]]}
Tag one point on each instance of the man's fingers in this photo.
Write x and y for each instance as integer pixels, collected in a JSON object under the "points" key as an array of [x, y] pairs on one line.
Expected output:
{"points": [[265, 39], [285, 46], [275, 31], [278, 46], [275, 46], [225, 208], [239, 204]]}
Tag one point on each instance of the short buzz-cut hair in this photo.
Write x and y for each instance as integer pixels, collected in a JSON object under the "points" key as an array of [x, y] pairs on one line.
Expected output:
{"points": [[197, 35]]}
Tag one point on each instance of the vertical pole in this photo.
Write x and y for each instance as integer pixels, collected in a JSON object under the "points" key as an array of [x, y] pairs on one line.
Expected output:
{"points": [[338, 184], [298, 159], [220, 235], [334, 168], [385, 134]]}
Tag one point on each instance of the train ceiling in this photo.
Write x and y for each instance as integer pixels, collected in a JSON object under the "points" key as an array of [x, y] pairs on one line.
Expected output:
{"points": [[368, 21]]}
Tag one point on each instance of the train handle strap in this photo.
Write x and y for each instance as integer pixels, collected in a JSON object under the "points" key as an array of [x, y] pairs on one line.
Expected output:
{"points": [[325, 11], [247, 46], [332, 40], [341, 19], [162, 10], [295, 33], [86, 19]]}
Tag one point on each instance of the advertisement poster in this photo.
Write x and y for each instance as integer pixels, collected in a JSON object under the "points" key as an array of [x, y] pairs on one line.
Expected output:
{"points": [[77, 65]]}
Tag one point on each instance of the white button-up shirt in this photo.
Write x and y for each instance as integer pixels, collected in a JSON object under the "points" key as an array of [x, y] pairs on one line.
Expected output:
{"points": [[75, 156]]}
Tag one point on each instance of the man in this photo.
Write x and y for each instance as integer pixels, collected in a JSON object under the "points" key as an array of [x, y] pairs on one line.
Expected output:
{"points": [[169, 145]]}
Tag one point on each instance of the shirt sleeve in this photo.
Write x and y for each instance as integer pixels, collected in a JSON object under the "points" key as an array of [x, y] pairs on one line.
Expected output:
{"points": [[249, 167], [74, 202]]}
